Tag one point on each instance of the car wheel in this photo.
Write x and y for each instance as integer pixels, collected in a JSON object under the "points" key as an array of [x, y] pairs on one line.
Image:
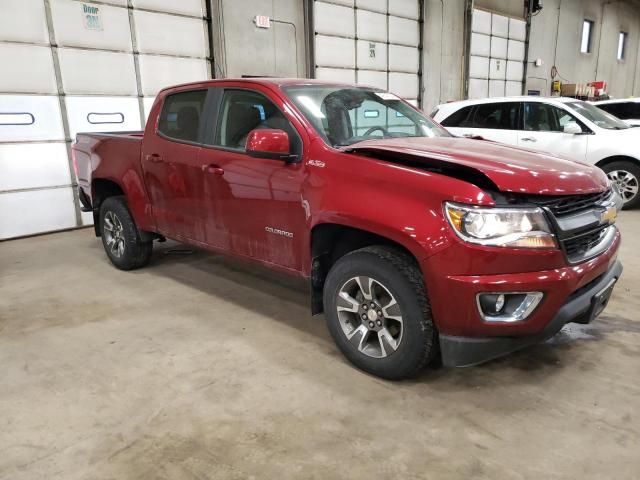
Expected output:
{"points": [[378, 313], [120, 236], [626, 176]]}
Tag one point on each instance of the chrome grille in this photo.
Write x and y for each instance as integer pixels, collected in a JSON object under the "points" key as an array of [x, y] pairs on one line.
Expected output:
{"points": [[567, 205], [577, 246], [578, 223]]}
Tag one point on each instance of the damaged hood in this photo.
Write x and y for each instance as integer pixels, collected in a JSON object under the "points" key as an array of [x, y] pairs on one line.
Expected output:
{"points": [[510, 169]]}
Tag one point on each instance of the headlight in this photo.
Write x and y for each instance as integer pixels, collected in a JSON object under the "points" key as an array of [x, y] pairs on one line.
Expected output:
{"points": [[500, 227]]}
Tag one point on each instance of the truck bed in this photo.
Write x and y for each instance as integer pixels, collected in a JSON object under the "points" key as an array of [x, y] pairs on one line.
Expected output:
{"points": [[104, 151]]}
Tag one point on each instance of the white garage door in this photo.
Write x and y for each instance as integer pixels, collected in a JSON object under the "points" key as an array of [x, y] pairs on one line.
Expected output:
{"points": [[496, 62], [370, 42], [69, 67]]}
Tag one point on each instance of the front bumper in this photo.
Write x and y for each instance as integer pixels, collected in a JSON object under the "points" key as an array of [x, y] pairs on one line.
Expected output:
{"points": [[461, 351]]}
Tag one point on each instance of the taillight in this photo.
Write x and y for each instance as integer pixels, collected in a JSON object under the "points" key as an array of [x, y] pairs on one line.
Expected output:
{"points": [[75, 162]]}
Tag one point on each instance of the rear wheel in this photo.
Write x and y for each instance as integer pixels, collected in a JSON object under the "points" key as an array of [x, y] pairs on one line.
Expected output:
{"points": [[378, 312], [120, 236], [626, 176]]}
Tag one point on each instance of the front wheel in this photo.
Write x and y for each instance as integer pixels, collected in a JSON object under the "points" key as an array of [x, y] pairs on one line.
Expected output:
{"points": [[626, 176], [120, 236], [378, 313]]}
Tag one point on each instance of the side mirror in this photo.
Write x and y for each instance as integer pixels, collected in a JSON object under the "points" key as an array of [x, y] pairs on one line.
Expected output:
{"points": [[268, 143], [572, 128]]}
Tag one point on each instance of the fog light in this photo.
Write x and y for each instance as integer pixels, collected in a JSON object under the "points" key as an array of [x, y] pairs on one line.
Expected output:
{"points": [[499, 302], [507, 307]]}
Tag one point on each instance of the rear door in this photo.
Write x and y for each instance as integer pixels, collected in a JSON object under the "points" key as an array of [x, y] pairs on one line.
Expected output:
{"points": [[543, 131], [259, 211], [497, 122], [492, 121], [172, 169]]}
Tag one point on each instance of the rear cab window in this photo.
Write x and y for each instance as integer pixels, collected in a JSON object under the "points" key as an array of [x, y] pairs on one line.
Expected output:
{"points": [[181, 115]]}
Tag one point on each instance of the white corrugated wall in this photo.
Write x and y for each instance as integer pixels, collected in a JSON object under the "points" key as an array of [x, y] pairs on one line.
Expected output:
{"points": [[371, 42], [71, 66], [496, 61]]}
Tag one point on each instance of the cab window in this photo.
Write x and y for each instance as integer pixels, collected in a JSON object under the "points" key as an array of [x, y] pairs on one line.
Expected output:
{"points": [[542, 117], [497, 116], [181, 115], [462, 118], [621, 110], [241, 112]]}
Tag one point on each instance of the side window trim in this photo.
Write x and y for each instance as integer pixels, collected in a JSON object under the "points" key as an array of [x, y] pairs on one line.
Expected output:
{"points": [[520, 119], [212, 110]]}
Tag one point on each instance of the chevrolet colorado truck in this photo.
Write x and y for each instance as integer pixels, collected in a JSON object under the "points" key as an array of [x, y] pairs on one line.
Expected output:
{"points": [[416, 244]]}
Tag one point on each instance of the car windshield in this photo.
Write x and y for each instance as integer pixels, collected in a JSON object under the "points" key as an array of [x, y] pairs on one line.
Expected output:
{"points": [[347, 115], [601, 118]]}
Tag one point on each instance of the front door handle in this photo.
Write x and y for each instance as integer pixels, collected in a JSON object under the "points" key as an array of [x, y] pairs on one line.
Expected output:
{"points": [[529, 139], [215, 169], [154, 158]]}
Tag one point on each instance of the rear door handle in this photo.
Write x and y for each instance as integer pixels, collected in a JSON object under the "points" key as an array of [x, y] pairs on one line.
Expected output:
{"points": [[529, 139], [154, 158], [215, 169]]}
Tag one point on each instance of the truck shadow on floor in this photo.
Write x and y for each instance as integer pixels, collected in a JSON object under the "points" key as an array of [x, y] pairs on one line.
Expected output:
{"points": [[248, 285], [286, 300]]}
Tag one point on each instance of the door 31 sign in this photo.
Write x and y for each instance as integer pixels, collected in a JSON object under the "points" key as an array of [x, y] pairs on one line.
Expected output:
{"points": [[91, 18]]}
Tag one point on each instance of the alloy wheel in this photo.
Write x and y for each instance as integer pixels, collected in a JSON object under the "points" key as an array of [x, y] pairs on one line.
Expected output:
{"points": [[114, 234], [627, 183], [370, 316]]}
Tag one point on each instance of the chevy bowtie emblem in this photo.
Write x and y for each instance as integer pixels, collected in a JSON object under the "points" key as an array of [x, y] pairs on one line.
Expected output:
{"points": [[609, 215]]}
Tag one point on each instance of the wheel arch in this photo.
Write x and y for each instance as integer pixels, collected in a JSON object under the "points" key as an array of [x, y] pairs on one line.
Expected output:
{"points": [[633, 163], [101, 189], [617, 158], [331, 241]]}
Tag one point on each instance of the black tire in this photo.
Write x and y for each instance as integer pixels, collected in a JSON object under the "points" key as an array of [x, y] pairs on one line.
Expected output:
{"points": [[398, 273], [135, 253], [633, 170]]}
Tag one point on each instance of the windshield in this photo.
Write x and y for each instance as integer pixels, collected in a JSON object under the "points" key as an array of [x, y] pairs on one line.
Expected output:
{"points": [[346, 115], [597, 116]]}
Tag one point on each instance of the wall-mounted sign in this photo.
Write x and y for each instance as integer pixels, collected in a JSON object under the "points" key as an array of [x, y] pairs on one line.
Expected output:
{"points": [[372, 50], [262, 21], [91, 18]]}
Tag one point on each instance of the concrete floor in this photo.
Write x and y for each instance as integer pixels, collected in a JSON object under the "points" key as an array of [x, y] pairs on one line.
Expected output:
{"points": [[200, 367]]}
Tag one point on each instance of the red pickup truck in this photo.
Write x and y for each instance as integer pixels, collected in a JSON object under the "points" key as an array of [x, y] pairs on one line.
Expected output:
{"points": [[416, 244]]}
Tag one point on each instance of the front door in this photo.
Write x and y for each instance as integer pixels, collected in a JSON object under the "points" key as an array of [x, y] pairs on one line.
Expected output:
{"points": [[173, 174], [544, 131], [259, 211]]}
